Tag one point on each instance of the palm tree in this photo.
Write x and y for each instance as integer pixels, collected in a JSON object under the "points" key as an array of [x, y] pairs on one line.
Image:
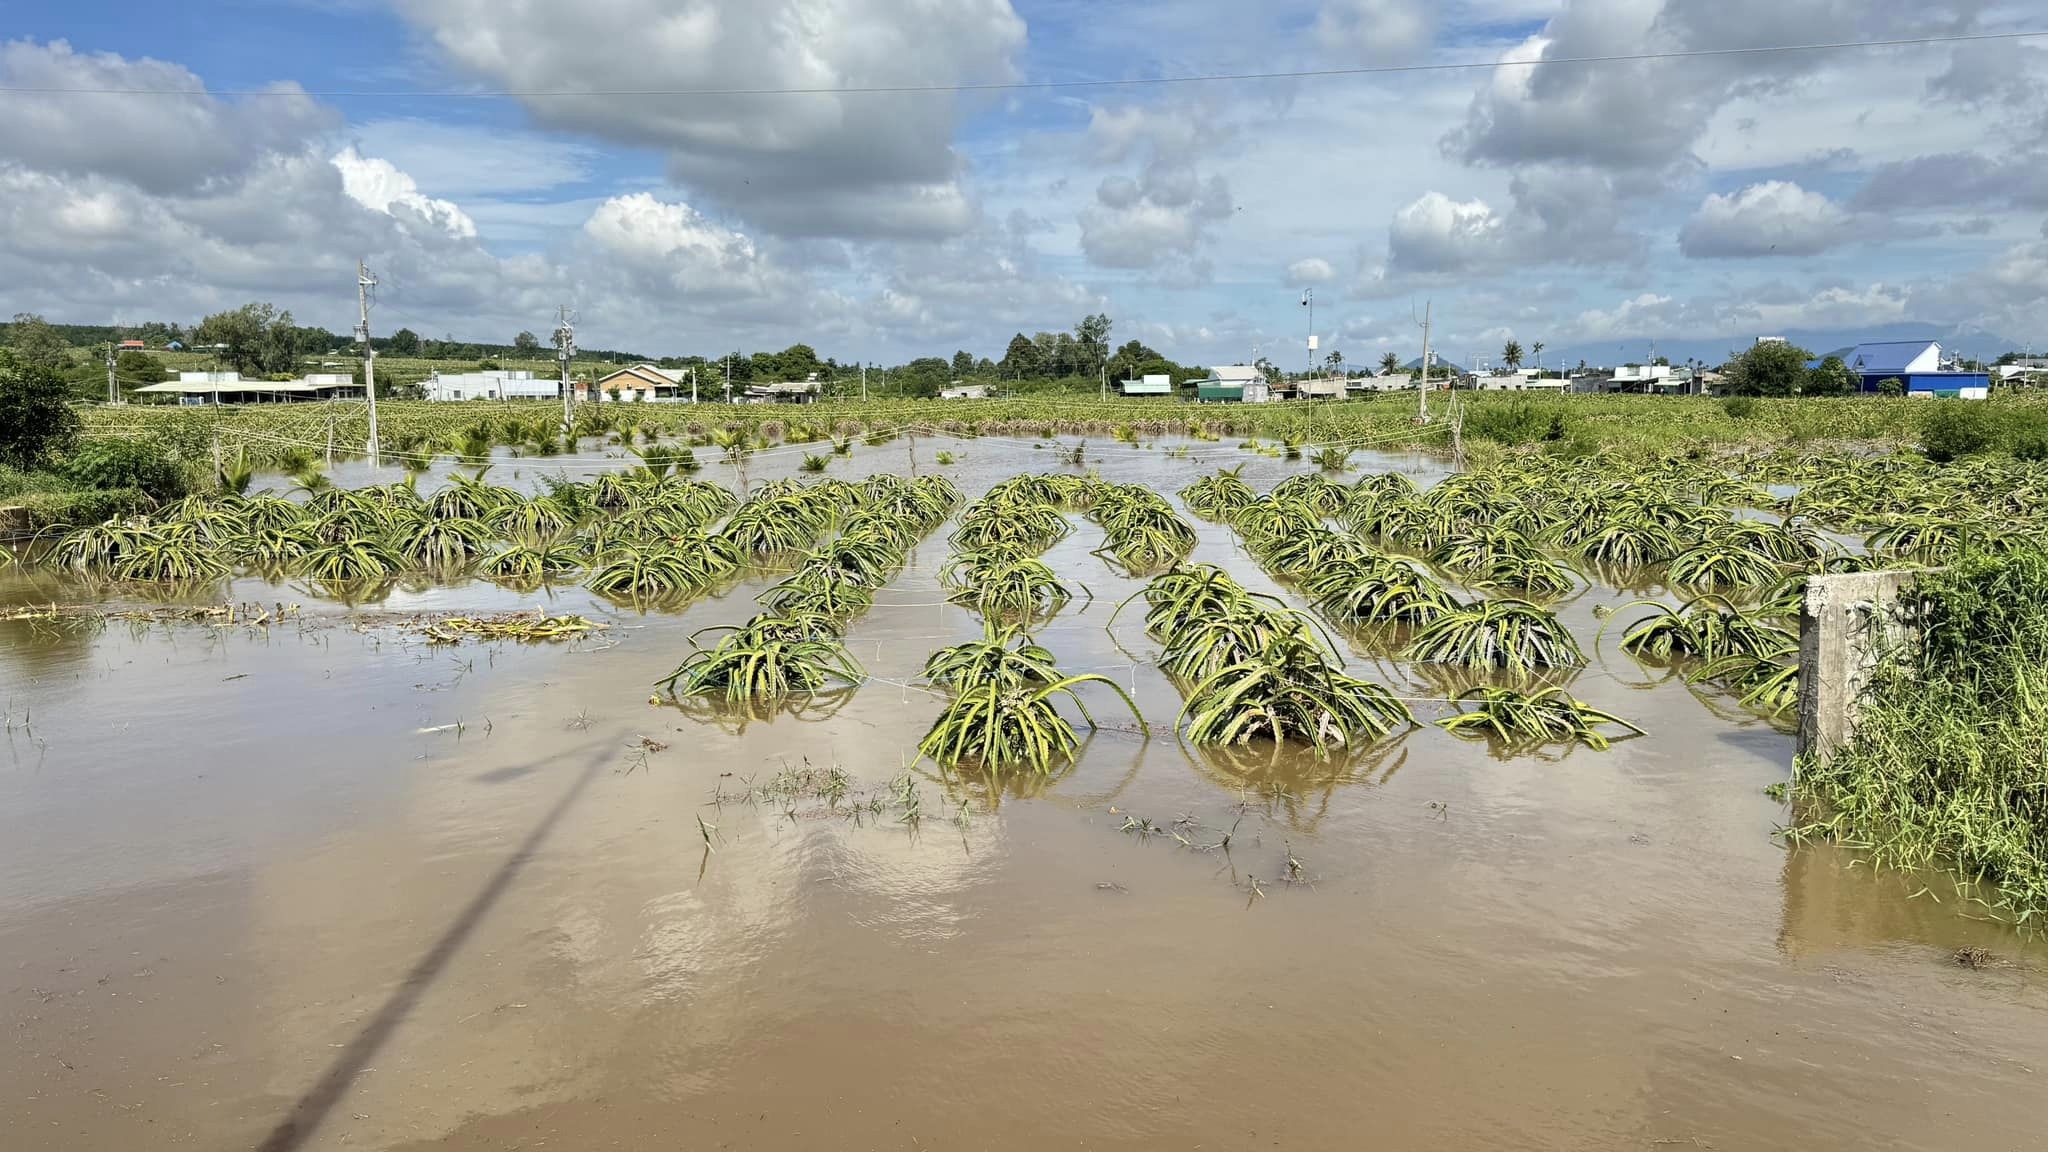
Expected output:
{"points": [[1336, 362], [1389, 364], [1536, 350], [1512, 355]]}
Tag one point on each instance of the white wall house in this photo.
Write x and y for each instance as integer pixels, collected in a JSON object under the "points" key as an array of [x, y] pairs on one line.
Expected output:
{"points": [[1520, 380], [494, 385]]}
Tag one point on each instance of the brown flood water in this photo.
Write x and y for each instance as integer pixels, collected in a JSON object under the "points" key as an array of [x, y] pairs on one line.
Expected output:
{"points": [[255, 894]]}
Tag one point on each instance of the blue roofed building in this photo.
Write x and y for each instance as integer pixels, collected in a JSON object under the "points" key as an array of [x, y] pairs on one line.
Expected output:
{"points": [[1916, 364]]}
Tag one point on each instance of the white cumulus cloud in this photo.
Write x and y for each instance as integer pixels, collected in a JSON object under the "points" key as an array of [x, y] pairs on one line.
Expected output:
{"points": [[1774, 218], [379, 186]]}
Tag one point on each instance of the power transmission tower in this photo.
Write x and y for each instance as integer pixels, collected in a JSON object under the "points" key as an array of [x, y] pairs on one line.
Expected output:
{"points": [[364, 283], [565, 350]]}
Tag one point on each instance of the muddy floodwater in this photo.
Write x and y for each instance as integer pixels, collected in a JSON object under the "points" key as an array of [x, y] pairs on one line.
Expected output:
{"points": [[310, 886]]}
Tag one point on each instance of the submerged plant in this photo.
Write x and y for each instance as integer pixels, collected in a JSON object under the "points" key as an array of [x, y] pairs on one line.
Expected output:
{"points": [[994, 726], [1287, 691], [1511, 634], [1548, 716], [764, 660]]}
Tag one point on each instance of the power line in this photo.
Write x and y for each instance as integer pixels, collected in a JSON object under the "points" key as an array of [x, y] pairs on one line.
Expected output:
{"points": [[1034, 85]]}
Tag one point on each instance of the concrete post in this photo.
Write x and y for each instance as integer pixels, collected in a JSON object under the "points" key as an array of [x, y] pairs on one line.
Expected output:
{"points": [[1850, 621]]}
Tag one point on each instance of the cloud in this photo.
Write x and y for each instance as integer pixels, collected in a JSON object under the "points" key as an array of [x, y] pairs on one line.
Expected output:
{"points": [[1314, 270], [1439, 234], [1957, 179], [164, 145], [1557, 216], [1163, 216], [1647, 313], [1374, 31], [378, 185], [807, 165], [1774, 218], [1645, 117], [676, 246]]}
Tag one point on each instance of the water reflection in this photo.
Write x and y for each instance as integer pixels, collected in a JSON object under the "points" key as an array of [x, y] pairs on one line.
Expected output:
{"points": [[1294, 782], [734, 717]]}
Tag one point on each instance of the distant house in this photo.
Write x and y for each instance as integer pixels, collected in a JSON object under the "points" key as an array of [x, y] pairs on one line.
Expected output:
{"points": [[229, 388], [1519, 380], [961, 391], [646, 383], [1233, 384], [1325, 388], [1148, 386], [786, 392], [1917, 364], [175, 346], [496, 384], [131, 346]]}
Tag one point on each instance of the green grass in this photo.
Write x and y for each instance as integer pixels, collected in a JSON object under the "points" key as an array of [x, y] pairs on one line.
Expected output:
{"points": [[1949, 765]]}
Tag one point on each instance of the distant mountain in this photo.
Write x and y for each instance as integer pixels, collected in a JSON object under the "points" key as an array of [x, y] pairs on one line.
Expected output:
{"points": [[1438, 366], [1717, 350]]}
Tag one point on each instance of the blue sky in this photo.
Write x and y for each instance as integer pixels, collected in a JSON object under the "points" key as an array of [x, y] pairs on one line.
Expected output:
{"points": [[1585, 206]]}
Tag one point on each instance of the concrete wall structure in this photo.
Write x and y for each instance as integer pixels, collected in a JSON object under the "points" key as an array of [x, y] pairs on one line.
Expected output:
{"points": [[1850, 621]]}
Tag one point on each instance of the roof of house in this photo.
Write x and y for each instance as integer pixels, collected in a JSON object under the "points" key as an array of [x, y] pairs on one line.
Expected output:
{"points": [[1886, 355], [1236, 373], [658, 377]]}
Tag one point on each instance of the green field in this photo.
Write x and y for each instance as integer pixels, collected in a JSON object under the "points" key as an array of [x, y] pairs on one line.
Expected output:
{"points": [[1566, 426]]}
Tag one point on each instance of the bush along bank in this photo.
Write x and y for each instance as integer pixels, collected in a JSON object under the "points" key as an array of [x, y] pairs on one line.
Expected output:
{"points": [[1949, 766]]}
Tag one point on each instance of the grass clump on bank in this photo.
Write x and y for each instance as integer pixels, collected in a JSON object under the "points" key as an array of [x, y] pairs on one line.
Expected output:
{"points": [[1949, 765]]}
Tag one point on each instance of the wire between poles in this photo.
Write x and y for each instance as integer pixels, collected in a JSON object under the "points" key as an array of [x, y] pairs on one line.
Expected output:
{"points": [[1034, 85]]}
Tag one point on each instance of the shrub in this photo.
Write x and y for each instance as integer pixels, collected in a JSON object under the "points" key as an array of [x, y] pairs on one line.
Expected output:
{"points": [[1739, 407], [1519, 422], [1956, 428], [74, 507], [1891, 386], [123, 463], [35, 419]]}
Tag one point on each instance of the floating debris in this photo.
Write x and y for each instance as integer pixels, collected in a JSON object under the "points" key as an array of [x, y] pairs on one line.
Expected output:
{"points": [[532, 627]]}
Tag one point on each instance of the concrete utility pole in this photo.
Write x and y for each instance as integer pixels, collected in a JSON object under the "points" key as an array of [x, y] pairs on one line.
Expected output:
{"points": [[365, 282], [565, 350], [1422, 393], [728, 377], [863, 383], [693, 383], [113, 388]]}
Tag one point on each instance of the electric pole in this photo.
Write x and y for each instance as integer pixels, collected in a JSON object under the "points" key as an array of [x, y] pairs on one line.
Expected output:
{"points": [[863, 383], [1422, 393], [113, 389], [728, 377], [365, 282], [1308, 301], [565, 350], [693, 383]]}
